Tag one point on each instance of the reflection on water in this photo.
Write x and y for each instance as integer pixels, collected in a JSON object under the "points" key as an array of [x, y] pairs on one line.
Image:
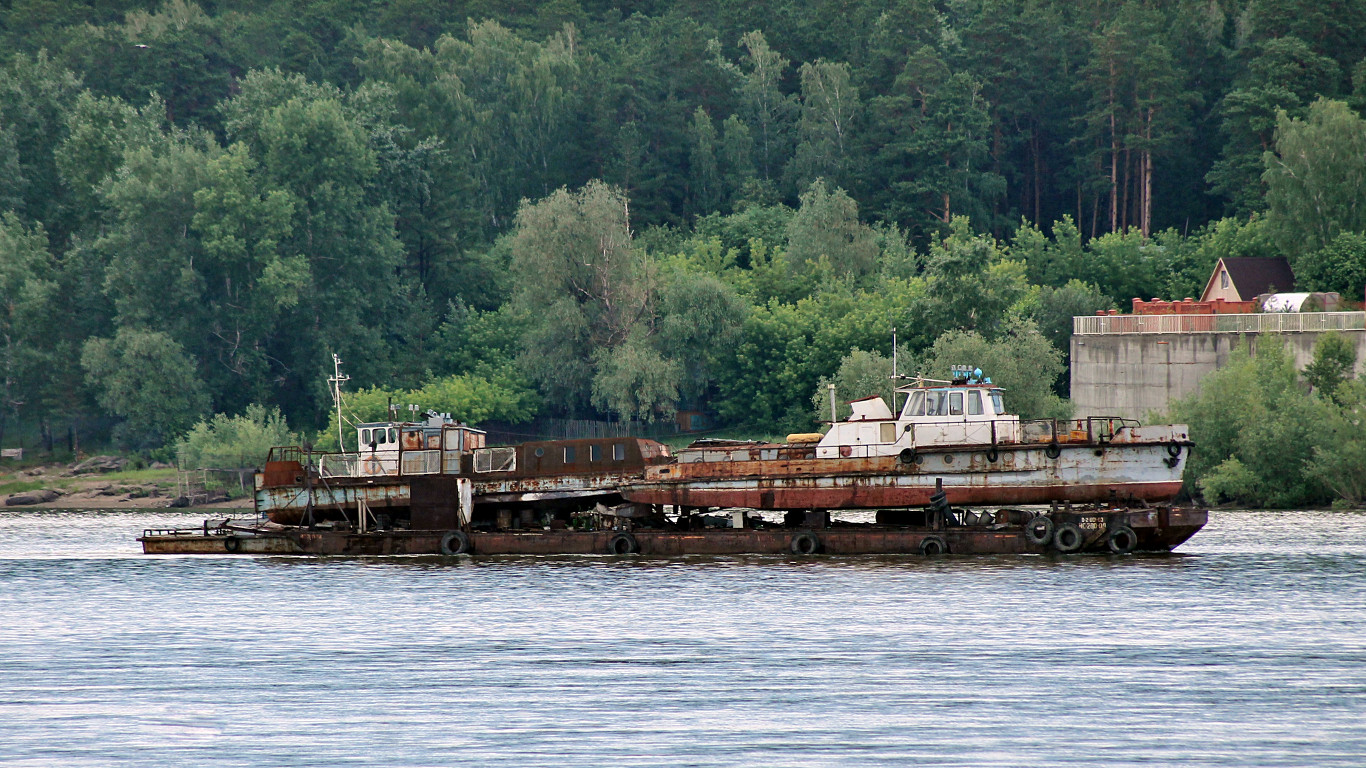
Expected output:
{"points": [[1248, 647]]}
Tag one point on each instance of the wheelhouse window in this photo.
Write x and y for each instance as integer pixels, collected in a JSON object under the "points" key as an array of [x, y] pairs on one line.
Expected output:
{"points": [[595, 453], [365, 437], [569, 454], [618, 451], [937, 403], [955, 403], [996, 402], [974, 403], [916, 405]]}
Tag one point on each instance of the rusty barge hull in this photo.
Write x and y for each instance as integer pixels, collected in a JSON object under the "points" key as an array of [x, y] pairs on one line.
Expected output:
{"points": [[1087, 473], [1155, 530]]}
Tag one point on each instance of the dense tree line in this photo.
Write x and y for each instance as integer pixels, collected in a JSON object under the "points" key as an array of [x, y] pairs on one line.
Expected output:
{"points": [[620, 210]]}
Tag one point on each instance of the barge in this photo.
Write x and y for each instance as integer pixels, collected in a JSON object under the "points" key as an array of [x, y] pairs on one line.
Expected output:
{"points": [[875, 483]]}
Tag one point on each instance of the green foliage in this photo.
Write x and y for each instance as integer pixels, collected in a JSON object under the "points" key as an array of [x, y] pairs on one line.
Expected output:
{"points": [[584, 286], [229, 442], [1339, 461], [1021, 361], [1052, 309], [498, 395], [1335, 359], [1338, 266], [266, 184], [827, 226], [635, 382], [148, 380], [29, 308], [1257, 431], [970, 284], [861, 374], [1316, 177]]}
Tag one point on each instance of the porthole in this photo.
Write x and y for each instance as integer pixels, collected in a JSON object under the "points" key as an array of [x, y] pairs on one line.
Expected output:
{"points": [[948, 458], [540, 452]]}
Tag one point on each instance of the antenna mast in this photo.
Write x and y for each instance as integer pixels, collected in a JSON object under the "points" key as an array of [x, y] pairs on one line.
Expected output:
{"points": [[336, 380]]}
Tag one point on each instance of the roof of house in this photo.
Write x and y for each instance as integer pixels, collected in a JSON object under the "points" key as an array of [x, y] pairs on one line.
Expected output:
{"points": [[1253, 277]]}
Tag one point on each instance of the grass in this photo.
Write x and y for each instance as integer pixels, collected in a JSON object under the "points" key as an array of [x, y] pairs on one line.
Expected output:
{"points": [[141, 476], [20, 486]]}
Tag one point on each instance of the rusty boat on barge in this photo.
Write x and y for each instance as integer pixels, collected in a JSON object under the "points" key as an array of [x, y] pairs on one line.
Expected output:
{"points": [[874, 484], [953, 433]]}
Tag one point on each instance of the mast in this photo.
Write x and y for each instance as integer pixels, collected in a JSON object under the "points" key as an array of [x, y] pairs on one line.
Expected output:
{"points": [[336, 380]]}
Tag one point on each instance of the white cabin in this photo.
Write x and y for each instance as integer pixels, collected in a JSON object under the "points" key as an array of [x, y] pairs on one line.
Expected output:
{"points": [[948, 414], [432, 446]]}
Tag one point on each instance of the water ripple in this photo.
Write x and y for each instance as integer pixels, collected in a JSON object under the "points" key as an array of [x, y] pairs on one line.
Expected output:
{"points": [[1246, 649]]}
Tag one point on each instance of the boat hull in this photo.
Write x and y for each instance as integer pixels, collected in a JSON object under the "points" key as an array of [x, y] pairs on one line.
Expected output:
{"points": [[970, 476], [1156, 530]]}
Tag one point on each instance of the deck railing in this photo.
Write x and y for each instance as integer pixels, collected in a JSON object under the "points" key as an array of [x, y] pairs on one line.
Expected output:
{"points": [[1270, 322]]}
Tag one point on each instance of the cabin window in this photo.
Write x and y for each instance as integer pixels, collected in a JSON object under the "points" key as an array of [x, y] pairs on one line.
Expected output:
{"points": [[569, 454], [916, 405], [495, 459], [379, 437], [393, 435], [937, 403], [974, 403], [595, 453], [996, 401], [888, 432], [956, 403], [619, 452], [365, 437]]}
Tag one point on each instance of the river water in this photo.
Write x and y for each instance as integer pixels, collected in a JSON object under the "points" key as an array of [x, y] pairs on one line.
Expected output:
{"points": [[1247, 648]]}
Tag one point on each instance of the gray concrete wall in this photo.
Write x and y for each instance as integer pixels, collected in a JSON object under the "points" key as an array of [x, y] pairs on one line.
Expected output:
{"points": [[1137, 374]]}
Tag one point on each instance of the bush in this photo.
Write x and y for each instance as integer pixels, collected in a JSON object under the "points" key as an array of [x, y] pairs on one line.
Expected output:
{"points": [[1257, 431], [232, 442]]}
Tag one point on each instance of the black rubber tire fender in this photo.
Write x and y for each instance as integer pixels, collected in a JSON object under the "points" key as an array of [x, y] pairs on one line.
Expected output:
{"points": [[805, 543], [232, 544], [1068, 538], [907, 456], [1174, 449], [1122, 540], [455, 543], [992, 454], [1053, 450], [933, 545], [623, 544], [1039, 530]]}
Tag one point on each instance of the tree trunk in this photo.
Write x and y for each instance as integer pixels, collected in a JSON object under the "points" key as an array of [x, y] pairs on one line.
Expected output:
{"points": [[1148, 174], [1114, 154], [1124, 200]]}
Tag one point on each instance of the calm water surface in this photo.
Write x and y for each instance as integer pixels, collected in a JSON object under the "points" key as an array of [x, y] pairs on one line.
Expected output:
{"points": [[1246, 649]]}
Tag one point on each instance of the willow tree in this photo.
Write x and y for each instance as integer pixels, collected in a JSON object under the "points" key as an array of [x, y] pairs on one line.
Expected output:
{"points": [[590, 293]]}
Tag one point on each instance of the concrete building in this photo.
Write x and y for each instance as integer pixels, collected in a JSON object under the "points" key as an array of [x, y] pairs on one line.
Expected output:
{"points": [[1136, 365]]}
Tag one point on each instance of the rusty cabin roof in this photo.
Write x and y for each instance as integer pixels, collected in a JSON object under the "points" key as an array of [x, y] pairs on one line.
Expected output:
{"points": [[1255, 276]]}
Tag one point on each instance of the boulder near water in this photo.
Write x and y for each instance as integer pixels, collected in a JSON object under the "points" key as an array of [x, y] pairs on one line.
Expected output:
{"points": [[99, 464], [42, 496]]}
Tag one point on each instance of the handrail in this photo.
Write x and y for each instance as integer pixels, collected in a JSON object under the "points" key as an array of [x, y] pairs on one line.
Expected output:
{"points": [[1268, 322]]}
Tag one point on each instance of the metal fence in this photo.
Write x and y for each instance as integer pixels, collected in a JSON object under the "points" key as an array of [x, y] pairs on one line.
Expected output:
{"points": [[1271, 322]]}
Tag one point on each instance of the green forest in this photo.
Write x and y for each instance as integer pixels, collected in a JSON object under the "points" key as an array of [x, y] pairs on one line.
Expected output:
{"points": [[618, 211]]}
